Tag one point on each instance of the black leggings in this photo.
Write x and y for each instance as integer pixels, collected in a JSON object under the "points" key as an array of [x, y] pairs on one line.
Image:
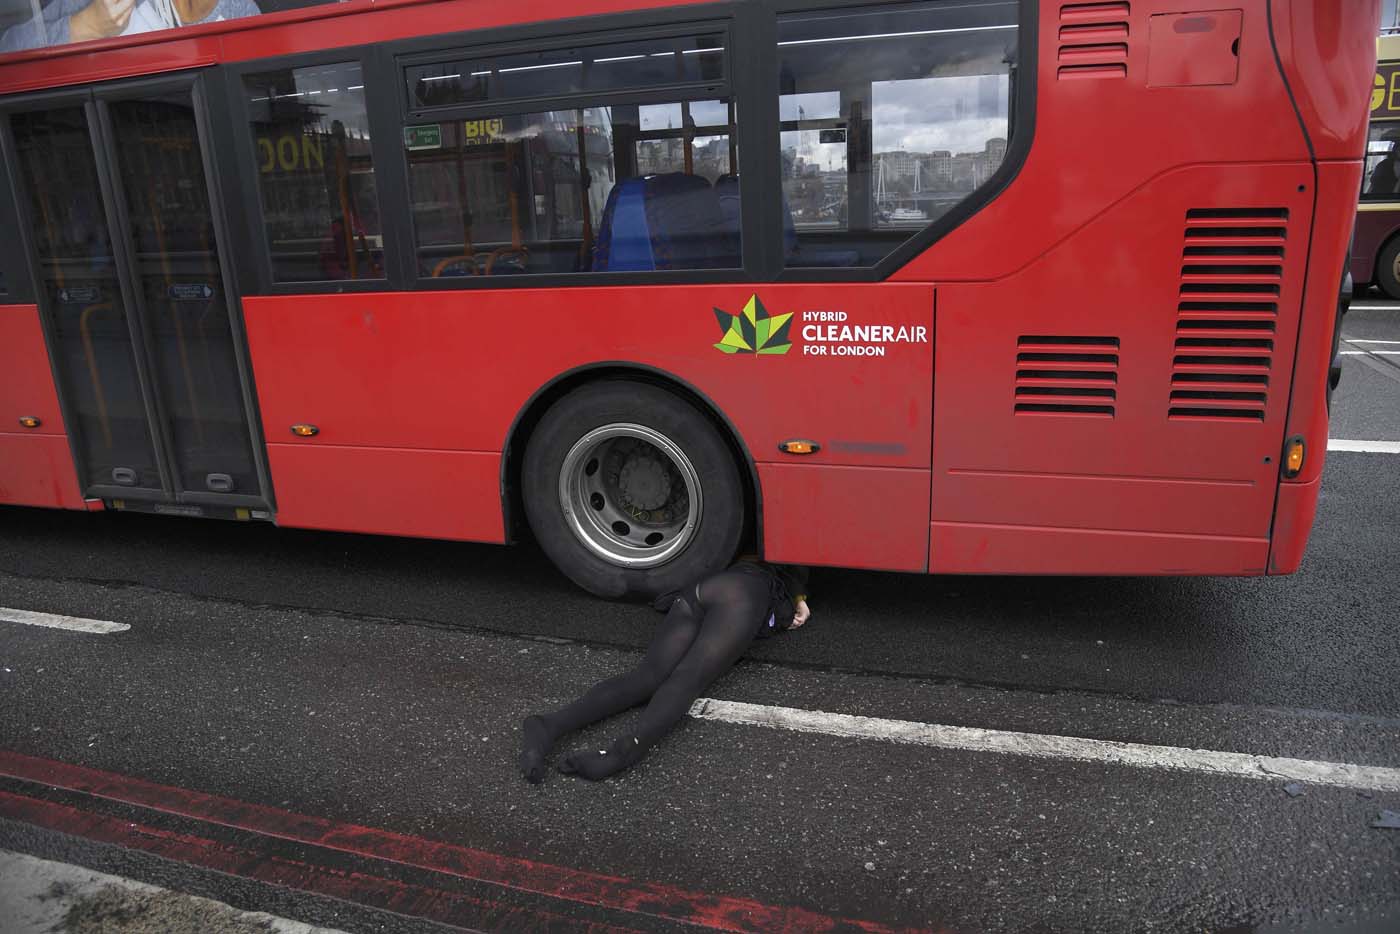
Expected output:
{"points": [[703, 635]]}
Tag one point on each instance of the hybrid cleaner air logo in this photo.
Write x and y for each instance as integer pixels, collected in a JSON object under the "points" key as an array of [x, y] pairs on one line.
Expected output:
{"points": [[754, 330], [824, 333]]}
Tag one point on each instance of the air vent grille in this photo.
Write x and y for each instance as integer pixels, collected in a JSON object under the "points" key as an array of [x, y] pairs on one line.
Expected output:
{"points": [[1227, 313], [1066, 375], [1093, 40]]}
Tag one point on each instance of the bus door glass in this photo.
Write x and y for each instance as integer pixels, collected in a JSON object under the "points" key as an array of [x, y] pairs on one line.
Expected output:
{"points": [[132, 283]]}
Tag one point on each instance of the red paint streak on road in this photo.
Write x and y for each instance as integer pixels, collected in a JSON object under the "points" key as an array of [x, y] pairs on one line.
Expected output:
{"points": [[438, 905], [654, 899]]}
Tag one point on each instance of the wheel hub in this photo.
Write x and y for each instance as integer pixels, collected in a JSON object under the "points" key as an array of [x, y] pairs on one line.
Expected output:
{"points": [[630, 495], [644, 483]]}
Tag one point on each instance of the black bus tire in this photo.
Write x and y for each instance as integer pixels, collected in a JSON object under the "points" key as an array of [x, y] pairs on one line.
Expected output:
{"points": [[596, 493], [1387, 277]]}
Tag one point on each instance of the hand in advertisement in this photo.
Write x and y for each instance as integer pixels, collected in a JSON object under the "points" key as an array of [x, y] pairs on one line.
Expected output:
{"points": [[100, 19]]}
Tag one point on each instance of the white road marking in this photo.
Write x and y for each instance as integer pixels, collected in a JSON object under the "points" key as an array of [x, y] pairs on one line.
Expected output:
{"points": [[1364, 340], [1364, 447], [972, 739], [75, 623], [1374, 307], [1369, 353]]}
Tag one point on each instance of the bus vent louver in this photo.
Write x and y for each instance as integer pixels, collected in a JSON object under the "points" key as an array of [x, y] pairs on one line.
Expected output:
{"points": [[1093, 40], [1227, 312], [1066, 375]]}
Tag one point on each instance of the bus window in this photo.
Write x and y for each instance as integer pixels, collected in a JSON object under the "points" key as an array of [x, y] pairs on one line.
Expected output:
{"points": [[1382, 178], [311, 140], [890, 116], [620, 65], [534, 192], [691, 137]]}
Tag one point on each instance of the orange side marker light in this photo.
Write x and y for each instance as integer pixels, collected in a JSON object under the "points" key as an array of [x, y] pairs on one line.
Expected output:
{"points": [[799, 446], [305, 431], [29, 421], [1293, 453]]}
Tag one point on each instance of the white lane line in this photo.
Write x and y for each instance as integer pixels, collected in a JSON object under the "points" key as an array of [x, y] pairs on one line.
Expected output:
{"points": [[1363, 340], [75, 623], [1374, 307], [1364, 447], [1137, 755], [1369, 353]]}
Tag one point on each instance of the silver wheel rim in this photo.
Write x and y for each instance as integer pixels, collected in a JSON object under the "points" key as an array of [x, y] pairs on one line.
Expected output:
{"points": [[630, 495]]}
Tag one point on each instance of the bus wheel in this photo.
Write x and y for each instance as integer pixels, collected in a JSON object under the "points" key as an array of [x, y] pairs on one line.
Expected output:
{"points": [[1388, 269], [631, 491]]}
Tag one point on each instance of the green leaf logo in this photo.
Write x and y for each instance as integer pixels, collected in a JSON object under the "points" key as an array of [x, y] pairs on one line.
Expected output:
{"points": [[753, 330]]}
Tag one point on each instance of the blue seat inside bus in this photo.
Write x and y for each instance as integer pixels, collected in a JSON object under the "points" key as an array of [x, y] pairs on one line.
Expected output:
{"points": [[727, 187], [669, 221]]}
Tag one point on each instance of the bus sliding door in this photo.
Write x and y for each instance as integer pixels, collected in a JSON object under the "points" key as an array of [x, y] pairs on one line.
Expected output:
{"points": [[123, 235]]}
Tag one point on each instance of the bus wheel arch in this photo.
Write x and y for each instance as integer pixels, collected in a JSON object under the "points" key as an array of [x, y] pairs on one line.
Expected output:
{"points": [[596, 378], [1387, 275]]}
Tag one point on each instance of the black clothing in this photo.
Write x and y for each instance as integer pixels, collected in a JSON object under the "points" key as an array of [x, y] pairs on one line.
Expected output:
{"points": [[706, 630], [786, 583], [1383, 177]]}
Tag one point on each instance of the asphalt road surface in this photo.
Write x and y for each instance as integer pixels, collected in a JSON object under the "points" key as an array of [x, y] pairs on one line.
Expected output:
{"points": [[324, 727]]}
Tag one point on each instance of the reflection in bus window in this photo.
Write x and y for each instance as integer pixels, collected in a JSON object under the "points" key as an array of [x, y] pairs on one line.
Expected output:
{"points": [[640, 64], [1382, 180], [889, 118], [311, 142], [631, 187]]}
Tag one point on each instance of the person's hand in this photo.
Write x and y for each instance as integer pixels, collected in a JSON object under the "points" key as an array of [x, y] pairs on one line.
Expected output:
{"points": [[100, 19], [802, 614], [194, 11]]}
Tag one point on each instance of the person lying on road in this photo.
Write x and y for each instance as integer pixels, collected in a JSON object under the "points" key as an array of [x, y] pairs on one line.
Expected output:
{"points": [[706, 630]]}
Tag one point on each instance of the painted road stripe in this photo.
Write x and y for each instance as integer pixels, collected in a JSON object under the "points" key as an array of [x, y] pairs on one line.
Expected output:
{"points": [[1368, 353], [1364, 447], [1363, 340], [1374, 307], [972, 739], [53, 621]]}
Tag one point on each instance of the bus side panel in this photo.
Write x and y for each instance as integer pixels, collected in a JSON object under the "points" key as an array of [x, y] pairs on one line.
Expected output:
{"points": [[1328, 52], [1134, 380], [979, 549], [1097, 140], [1308, 415], [870, 517], [426, 375], [388, 491], [36, 464]]}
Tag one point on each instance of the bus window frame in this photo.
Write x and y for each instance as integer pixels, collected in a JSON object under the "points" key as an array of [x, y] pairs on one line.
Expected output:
{"points": [[1021, 103], [724, 18], [751, 83], [691, 26], [254, 240]]}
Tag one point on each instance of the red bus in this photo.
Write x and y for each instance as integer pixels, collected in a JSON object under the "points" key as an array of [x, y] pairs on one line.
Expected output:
{"points": [[1375, 251], [947, 286]]}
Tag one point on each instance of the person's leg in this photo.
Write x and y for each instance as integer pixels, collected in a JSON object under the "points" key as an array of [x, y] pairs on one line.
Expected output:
{"points": [[621, 692], [732, 604]]}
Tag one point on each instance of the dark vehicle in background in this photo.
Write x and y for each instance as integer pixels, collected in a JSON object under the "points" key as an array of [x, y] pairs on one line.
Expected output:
{"points": [[1375, 254]]}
